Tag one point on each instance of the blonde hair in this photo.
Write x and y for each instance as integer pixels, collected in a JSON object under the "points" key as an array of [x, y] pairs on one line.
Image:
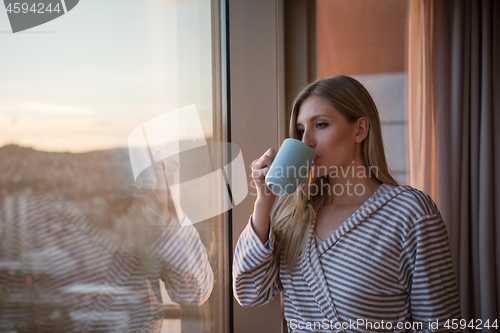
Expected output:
{"points": [[292, 216]]}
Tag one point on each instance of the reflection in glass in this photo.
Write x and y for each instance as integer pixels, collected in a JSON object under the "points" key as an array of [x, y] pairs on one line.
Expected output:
{"points": [[60, 273], [82, 247]]}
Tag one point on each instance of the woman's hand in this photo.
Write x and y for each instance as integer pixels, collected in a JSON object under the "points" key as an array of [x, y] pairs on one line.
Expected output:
{"points": [[260, 168], [265, 198]]}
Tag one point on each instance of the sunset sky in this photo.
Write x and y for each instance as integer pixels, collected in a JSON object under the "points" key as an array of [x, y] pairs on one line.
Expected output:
{"points": [[85, 80]]}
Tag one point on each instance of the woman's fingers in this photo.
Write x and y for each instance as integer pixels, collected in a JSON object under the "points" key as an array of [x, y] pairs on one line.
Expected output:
{"points": [[258, 174], [265, 160], [270, 154], [260, 168]]}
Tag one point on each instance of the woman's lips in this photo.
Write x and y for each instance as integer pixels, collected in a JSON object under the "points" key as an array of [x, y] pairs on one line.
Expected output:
{"points": [[316, 158]]}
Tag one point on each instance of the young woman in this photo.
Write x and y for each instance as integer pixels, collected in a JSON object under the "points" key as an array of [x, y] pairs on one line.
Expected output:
{"points": [[351, 249]]}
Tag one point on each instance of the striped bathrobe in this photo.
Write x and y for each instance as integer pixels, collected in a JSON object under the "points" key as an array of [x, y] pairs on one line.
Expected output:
{"points": [[386, 267], [59, 273]]}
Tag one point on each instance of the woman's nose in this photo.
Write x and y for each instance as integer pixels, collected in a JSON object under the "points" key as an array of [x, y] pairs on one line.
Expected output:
{"points": [[308, 138]]}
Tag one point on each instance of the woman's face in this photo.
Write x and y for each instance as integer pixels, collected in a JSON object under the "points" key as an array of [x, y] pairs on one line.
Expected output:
{"points": [[330, 136]]}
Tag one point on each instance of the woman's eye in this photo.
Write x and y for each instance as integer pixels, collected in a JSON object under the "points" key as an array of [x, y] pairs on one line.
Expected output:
{"points": [[322, 125], [300, 132]]}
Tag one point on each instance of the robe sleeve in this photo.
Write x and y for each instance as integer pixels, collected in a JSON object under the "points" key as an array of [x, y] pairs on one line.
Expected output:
{"points": [[255, 273], [427, 273], [182, 263]]}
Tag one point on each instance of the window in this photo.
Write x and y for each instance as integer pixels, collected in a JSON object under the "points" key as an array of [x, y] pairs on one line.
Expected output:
{"points": [[82, 243]]}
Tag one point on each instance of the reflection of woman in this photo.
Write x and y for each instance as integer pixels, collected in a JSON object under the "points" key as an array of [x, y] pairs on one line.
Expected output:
{"points": [[362, 253], [59, 273]]}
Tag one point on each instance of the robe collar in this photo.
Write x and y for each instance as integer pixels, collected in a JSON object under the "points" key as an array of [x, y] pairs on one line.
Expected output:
{"points": [[311, 264]]}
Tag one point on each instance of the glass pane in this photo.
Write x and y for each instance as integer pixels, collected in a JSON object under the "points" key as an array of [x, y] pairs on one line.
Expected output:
{"points": [[106, 112], [366, 40]]}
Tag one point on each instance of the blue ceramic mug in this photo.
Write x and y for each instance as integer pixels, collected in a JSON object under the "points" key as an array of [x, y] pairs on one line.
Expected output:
{"points": [[289, 167]]}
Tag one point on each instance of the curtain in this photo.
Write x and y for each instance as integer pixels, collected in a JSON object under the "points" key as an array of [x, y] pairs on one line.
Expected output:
{"points": [[454, 120], [420, 84]]}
